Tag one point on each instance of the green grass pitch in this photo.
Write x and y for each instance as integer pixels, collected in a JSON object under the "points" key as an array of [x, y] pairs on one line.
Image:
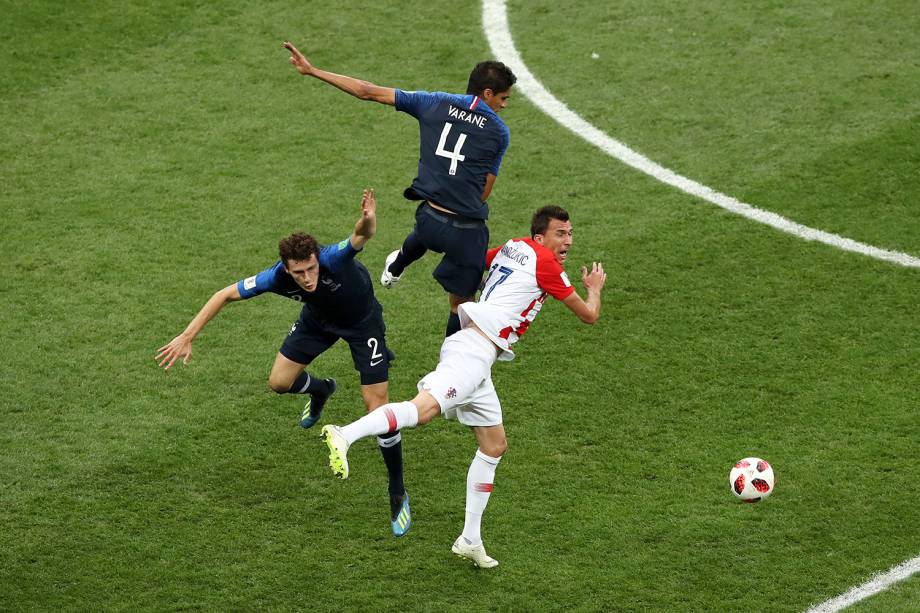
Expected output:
{"points": [[153, 153]]}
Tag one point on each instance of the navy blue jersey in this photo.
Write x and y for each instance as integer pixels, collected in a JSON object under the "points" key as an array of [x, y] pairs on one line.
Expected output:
{"points": [[344, 294], [461, 140]]}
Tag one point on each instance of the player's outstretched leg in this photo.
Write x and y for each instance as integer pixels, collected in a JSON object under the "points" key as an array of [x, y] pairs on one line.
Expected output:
{"points": [[314, 407], [386, 418], [411, 250], [475, 553], [338, 450]]}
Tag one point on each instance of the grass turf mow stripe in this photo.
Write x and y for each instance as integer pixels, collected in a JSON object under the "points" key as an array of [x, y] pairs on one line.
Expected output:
{"points": [[495, 26]]}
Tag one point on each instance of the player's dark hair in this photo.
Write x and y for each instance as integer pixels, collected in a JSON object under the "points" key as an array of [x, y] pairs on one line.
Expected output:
{"points": [[544, 215], [490, 75], [297, 246]]}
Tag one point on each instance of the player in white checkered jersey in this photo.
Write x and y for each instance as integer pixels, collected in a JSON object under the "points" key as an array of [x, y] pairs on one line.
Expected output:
{"points": [[522, 273]]}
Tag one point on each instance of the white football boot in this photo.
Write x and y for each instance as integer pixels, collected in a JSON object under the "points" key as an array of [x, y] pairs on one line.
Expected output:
{"points": [[475, 553], [388, 279]]}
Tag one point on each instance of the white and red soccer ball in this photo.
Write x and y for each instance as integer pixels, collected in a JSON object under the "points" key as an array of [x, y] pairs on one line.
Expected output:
{"points": [[751, 479]]}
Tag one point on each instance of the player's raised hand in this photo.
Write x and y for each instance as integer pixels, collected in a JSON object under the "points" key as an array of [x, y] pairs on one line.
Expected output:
{"points": [[369, 204], [179, 347], [366, 226], [301, 63], [594, 280]]}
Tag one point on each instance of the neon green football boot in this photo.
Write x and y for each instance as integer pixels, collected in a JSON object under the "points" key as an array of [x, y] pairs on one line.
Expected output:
{"points": [[338, 450]]}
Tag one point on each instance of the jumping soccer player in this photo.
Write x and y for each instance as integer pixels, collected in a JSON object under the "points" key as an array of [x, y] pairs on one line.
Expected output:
{"points": [[522, 272], [338, 302], [462, 142]]}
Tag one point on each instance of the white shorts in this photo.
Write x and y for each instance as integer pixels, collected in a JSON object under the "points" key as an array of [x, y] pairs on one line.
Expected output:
{"points": [[462, 381]]}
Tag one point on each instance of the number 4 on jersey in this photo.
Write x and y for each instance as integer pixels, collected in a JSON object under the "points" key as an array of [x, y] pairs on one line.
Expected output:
{"points": [[454, 156]]}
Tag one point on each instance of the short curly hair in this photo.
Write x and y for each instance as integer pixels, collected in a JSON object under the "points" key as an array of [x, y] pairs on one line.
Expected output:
{"points": [[298, 247]]}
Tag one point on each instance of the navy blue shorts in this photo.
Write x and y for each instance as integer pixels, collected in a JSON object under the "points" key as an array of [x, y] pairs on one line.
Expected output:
{"points": [[462, 240], [309, 337]]}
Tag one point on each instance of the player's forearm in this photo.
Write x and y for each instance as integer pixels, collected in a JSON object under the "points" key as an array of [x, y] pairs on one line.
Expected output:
{"points": [[358, 241], [350, 85], [593, 304], [366, 228], [210, 309]]}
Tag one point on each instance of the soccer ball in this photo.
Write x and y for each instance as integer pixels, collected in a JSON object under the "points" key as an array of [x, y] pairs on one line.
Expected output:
{"points": [[751, 479]]}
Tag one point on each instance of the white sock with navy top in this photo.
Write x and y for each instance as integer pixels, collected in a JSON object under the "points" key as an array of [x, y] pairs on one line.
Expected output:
{"points": [[479, 481]]}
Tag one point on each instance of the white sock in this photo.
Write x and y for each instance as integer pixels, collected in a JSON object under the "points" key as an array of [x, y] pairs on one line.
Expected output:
{"points": [[479, 480], [383, 419]]}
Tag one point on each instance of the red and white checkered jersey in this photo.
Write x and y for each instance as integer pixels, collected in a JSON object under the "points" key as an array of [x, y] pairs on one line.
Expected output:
{"points": [[522, 273]]}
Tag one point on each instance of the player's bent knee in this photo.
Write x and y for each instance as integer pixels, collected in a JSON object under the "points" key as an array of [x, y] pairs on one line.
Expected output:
{"points": [[433, 411], [425, 416], [279, 386], [496, 449], [373, 401], [427, 407]]}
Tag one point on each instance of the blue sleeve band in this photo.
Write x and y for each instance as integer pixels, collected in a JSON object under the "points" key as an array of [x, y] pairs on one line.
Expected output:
{"points": [[259, 283]]}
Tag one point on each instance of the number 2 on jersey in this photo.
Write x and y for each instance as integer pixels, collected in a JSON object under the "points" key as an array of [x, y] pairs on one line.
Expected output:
{"points": [[376, 356], [454, 156], [504, 271]]}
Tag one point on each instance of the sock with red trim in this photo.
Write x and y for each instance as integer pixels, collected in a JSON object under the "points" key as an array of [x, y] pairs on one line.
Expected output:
{"points": [[383, 419], [479, 480]]}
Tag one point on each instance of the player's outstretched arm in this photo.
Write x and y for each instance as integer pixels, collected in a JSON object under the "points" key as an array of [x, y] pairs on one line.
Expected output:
{"points": [[181, 346], [366, 226], [364, 90], [588, 310]]}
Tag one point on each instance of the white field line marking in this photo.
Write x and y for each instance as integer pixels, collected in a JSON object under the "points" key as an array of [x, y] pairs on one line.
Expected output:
{"points": [[877, 584], [495, 25]]}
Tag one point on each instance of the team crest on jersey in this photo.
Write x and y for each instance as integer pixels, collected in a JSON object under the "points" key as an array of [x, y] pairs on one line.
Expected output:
{"points": [[249, 282], [330, 283], [451, 393]]}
